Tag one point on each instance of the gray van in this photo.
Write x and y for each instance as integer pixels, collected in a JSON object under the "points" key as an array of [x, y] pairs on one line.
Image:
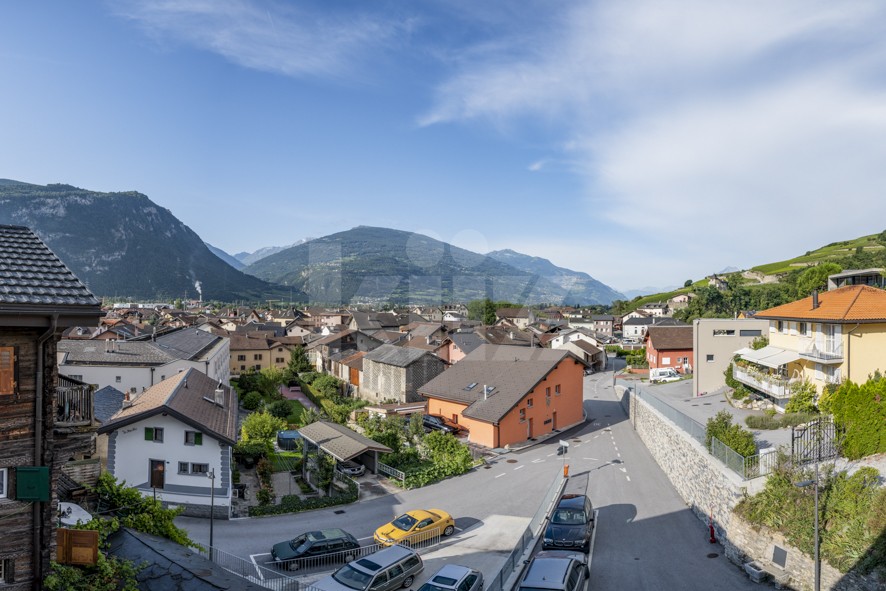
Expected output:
{"points": [[386, 570]]}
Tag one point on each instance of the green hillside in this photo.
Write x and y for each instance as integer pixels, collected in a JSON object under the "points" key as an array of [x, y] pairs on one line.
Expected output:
{"points": [[862, 249]]}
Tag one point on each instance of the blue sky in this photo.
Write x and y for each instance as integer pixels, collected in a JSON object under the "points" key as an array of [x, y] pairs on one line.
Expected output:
{"points": [[642, 142]]}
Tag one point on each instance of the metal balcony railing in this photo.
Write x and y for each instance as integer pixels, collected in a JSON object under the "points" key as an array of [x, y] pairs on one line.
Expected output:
{"points": [[829, 350]]}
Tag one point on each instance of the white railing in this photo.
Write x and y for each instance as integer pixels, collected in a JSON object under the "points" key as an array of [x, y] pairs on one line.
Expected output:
{"points": [[268, 578], [827, 349], [776, 386], [392, 472]]}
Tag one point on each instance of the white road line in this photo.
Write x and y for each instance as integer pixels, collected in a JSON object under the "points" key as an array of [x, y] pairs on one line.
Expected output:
{"points": [[618, 454], [519, 468], [537, 461], [549, 455], [594, 459], [500, 475], [257, 570], [625, 470], [628, 477], [616, 448]]}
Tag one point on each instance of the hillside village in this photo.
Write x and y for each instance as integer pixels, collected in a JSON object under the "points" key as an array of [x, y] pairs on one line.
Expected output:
{"points": [[169, 400]]}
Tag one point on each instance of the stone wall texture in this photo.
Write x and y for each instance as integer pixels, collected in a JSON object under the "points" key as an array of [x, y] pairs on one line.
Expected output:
{"points": [[710, 488]]}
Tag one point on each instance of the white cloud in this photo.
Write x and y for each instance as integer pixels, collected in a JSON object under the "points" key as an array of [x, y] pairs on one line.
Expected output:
{"points": [[273, 36], [714, 132]]}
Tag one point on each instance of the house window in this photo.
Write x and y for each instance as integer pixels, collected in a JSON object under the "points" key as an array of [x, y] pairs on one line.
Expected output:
{"points": [[199, 468], [547, 391], [522, 415], [241, 357], [256, 357], [242, 368], [117, 379], [3, 475], [666, 360], [709, 358], [557, 389], [724, 332], [751, 333], [529, 403], [154, 434], [183, 467], [193, 438], [280, 360], [7, 370], [779, 326]]}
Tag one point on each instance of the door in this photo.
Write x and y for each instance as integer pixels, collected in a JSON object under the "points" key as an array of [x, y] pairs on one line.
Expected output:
{"points": [[158, 476], [554, 421], [529, 428]]}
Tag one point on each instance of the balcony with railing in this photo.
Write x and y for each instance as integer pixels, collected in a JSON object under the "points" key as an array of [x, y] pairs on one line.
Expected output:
{"points": [[827, 350], [775, 385], [73, 403]]}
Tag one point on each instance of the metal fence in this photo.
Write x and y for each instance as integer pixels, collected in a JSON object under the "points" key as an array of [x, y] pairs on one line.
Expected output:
{"points": [[392, 472], [252, 572], [749, 467], [528, 538]]}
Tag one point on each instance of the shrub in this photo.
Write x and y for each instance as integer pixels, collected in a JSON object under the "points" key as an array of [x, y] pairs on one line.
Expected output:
{"points": [[262, 427], [251, 401], [264, 497], [294, 503], [762, 422], [860, 413], [802, 397], [280, 409], [733, 436], [740, 393]]}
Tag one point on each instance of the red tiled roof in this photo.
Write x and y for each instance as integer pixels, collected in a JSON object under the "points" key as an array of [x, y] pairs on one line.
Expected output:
{"points": [[854, 303]]}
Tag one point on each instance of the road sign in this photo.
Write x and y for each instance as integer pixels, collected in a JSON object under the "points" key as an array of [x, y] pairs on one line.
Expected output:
{"points": [[564, 443]]}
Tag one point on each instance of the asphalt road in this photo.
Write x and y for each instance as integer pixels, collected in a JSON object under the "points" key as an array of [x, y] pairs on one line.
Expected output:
{"points": [[646, 538]]}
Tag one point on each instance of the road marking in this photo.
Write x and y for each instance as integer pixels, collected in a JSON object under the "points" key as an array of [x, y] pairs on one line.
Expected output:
{"points": [[628, 477], [519, 468], [537, 461], [594, 459], [500, 475], [549, 455], [625, 470], [618, 454], [255, 564], [616, 448]]}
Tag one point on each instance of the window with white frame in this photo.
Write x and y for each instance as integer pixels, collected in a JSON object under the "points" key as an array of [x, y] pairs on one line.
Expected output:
{"points": [[184, 468], [666, 360], [709, 358], [199, 468], [154, 434], [529, 403], [3, 482]]}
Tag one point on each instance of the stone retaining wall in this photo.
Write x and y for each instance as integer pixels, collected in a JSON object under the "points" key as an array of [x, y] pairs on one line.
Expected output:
{"points": [[708, 487]]}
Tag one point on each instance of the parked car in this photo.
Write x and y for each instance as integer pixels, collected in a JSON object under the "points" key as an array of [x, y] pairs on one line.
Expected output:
{"points": [[351, 468], [555, 570], [571, 524], [454, 577], [386, 570], [416, 525], [440, 423], [663, 374], [308, 548]]}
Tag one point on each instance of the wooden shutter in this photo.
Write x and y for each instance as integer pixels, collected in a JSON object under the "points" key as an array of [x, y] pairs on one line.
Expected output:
{"points": [[77, 546], [198, 438], [149, 434], [7, 370]]}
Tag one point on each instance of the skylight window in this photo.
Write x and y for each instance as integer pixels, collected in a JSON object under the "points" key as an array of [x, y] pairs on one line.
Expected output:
{"points": [[470, 386]]}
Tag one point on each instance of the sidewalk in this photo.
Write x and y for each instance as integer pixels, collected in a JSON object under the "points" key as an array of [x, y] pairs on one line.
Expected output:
{"points": [[295, 393]]}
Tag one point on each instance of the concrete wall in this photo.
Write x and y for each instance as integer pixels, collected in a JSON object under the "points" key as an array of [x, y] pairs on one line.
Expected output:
{"points": [[708, 488], [708, 374]]}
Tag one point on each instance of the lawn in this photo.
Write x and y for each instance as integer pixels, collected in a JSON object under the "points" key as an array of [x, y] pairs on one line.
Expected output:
{"points": [[296, 410]]}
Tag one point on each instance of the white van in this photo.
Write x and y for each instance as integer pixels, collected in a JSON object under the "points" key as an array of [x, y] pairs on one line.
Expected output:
{"points": [[663, 374]]}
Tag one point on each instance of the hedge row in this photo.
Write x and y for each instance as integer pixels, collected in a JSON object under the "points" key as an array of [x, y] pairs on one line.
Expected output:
{"points": [[295, 504]]}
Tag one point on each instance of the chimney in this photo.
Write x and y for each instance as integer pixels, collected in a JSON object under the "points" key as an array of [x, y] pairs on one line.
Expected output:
{"points": [[511, 334], [126, 401], [428, 339], [485, 394], [814, 299], [220, 396]]}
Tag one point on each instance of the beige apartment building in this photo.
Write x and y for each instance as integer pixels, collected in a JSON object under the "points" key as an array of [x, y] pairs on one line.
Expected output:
{"points": [[826, 339], [715, 341]]}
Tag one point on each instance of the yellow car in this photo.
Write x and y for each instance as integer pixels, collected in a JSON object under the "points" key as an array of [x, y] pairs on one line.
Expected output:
{"points": [[415, 526]]}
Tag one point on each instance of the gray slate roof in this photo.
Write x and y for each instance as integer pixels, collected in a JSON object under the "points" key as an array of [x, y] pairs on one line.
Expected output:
{"points": [[164, 565], [32, 274], [466, 341], [93, 352], [340, 441], [187, 343], [107, 402], [396, 356], [654, 321], [511, 370]]}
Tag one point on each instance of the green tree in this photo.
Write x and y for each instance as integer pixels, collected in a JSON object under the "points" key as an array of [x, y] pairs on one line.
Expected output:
{"points": [[261, 427], [251, 401], [488, 312], [311, 415], [860, 412], [687, 283], [802, 397], [447, 453], [815, 278], [298, 361], [732, 435], [269, 381], [280, 409]]}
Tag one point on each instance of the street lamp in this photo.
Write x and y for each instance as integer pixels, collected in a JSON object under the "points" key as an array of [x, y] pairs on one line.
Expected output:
{"points": [[814, 484], [211, 475]]}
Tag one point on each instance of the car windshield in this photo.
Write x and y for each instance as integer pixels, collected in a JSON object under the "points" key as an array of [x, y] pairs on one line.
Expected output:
{"points": [[432, 587], [297, 543], [405, 522], [351, 577], [568, 517]]}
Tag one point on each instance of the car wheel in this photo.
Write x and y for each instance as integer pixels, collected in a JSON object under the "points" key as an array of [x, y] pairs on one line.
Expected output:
{"points": [[292, 565], [407, 582], [448, 531]]}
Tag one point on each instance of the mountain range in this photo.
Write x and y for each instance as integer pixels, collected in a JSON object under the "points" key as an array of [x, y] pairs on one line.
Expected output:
{"points": [[124, 246]]}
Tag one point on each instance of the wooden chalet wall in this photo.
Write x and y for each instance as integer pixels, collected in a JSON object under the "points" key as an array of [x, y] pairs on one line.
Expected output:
{"points": [[17, 444]]}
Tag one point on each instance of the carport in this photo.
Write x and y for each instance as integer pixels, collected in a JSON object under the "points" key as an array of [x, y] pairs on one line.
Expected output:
{"points": [[342, 444]]}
